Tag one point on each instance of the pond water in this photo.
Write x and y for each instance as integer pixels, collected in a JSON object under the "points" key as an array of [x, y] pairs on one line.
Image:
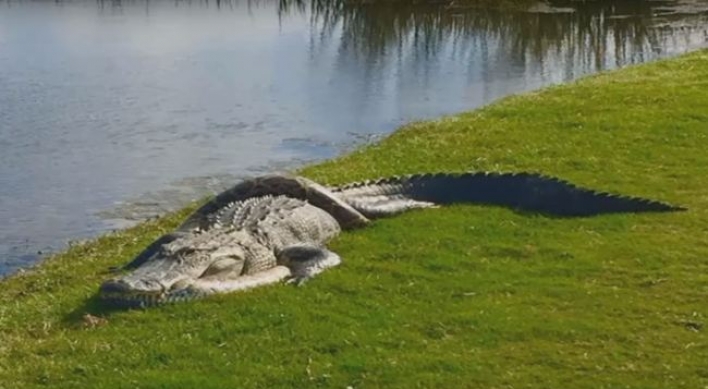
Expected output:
{"points": [[112, 111]]}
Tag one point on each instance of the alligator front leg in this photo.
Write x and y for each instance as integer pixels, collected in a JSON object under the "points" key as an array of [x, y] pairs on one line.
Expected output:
{"points": [[219, 284], [306, 261]]}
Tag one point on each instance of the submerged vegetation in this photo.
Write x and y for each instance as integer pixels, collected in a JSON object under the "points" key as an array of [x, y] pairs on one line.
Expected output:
{"points": [[465, 296]]}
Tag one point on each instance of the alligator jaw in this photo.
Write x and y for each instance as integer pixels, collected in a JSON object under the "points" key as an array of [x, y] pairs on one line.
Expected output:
{"points": [[119, 294]]}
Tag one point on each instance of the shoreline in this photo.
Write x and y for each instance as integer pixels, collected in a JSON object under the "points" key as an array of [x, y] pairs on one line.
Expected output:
{"points": [[462, 295], [41, 220]]}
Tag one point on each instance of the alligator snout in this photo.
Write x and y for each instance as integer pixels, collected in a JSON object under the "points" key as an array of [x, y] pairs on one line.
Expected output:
{"points": [[114, 287], [133, 286], [144, 292], [132, 294]]}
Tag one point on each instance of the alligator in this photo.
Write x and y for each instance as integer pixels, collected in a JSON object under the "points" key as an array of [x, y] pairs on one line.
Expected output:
{"points": [[274, 228]]}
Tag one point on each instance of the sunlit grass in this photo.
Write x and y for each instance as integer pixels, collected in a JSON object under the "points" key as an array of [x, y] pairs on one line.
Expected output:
{"points": [[465, 296]]}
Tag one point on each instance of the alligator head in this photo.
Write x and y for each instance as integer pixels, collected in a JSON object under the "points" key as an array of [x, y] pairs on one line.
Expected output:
{"points": [[172, 271]]}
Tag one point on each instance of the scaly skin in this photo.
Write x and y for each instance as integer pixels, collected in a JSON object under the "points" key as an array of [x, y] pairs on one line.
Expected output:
{"points": [[263, 235], [273, 228]]}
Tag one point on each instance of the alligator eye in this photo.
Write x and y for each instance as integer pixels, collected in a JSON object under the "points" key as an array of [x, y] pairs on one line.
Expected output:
{"points": [[180, 254], [169, 250], [186, 251]]}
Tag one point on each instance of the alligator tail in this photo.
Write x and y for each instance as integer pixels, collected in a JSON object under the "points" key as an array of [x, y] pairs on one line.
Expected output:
{"points": [[529, 192]]}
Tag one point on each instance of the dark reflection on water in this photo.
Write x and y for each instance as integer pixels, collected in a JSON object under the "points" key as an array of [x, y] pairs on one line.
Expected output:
{"points": [[115, 110]]}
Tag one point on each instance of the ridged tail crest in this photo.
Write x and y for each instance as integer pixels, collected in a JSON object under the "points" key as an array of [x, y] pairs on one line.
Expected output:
{"points": [[529, 192]]}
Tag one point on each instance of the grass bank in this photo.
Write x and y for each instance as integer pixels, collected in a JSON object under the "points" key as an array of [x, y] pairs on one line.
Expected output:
{"points": [[466, 296]]}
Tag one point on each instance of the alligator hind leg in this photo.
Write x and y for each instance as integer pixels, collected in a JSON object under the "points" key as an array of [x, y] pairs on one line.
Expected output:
{"points": [[386, 205], [306, 261]]}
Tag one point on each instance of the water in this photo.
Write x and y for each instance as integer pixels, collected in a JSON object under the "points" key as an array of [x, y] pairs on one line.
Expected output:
{"points": [[116, 111]]}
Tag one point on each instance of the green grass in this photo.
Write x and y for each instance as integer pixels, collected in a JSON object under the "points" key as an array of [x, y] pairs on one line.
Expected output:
{"points": [[466, 296]]}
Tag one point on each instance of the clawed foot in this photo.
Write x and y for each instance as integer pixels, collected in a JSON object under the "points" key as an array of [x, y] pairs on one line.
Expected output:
{"points": [[306, 261], [297, 280]]}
